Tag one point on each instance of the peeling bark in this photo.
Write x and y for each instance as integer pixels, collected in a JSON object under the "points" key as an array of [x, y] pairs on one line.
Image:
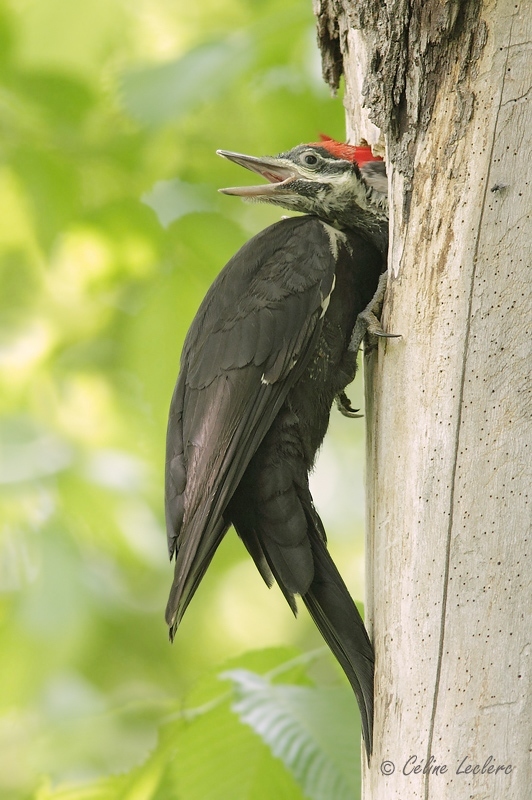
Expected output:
{"points": [[407, 45]]}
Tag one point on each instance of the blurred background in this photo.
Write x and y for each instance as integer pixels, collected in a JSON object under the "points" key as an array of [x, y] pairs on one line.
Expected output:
{"points": [[111, 230]]}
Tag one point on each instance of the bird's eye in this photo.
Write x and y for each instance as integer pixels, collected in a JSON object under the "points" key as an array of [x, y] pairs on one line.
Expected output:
{"points": [[310, 159]]}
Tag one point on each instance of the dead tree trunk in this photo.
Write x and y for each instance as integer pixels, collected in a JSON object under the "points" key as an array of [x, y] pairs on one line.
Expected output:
{"points": [[449, 451]]}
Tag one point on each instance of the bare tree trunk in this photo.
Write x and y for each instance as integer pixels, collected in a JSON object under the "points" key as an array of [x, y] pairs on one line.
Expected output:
{"points": [[448, 405]]}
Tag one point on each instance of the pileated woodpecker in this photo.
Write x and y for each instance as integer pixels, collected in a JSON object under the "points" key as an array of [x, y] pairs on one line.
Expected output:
{"points": [[264, 359]]}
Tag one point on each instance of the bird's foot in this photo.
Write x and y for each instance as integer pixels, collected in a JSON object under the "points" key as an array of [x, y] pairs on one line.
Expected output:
{"points": [[368, 321], [344, 406]]}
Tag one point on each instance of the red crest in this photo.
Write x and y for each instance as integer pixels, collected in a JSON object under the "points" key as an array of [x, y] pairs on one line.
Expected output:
{"points": [[358, 154]]}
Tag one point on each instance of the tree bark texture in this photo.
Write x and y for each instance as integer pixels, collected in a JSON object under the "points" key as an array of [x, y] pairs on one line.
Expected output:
{"points": [[448, 405]]}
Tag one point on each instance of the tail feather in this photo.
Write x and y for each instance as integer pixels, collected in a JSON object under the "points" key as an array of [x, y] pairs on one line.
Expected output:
{"points": [[336, 616], [275, 517], [186, 580]]}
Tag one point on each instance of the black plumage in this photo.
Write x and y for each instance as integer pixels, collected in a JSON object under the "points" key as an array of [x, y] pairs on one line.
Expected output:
{"points": [[263, 361]]}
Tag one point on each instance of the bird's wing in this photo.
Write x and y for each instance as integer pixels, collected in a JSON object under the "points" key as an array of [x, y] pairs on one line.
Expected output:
{"points": [[251, 339]]}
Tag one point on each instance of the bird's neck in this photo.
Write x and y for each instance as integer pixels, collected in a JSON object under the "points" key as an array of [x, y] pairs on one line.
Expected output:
{"points": [[364, 210]]}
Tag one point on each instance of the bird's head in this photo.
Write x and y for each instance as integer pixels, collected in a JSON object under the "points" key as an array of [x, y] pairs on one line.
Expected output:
{"points": [[329, 179]]}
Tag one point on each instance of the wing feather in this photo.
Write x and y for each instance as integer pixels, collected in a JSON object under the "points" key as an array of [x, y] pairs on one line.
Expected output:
{"points": [[250, 341]]}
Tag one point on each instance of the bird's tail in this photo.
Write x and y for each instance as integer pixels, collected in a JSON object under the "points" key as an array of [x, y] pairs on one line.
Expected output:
{"points": [[287, 540], [336, 616]]}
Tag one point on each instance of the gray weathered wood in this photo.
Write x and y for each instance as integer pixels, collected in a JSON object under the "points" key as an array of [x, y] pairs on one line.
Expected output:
{"points": [[449, 406]]}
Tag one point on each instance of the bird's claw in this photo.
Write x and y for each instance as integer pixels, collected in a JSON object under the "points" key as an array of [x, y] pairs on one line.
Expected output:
{"points": [[374, 327], [367, 322], [344, 406]]}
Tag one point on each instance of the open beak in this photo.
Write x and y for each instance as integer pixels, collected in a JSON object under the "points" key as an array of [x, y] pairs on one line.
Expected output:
{"points": [[278, 172]]}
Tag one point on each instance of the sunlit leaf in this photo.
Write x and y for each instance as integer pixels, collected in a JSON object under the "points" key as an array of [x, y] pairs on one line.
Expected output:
{"points": [[217, 757], [106, 789], [314, 731], [27, 453], [173, 199], [60, 96], [157, 94], [53, 189]]}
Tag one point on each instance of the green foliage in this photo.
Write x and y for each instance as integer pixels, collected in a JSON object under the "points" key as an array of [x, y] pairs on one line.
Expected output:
{"points": [[173, 90], [111, 230], [313, 731], [294, 722]]}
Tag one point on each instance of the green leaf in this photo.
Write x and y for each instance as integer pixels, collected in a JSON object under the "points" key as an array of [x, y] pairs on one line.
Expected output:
{"points": [[216, 757], [155, 95], [158, 94], [219, 758], [174, 199], [28, 452], [108, 789], [64, 99], [52, 186], [314, 731]]}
